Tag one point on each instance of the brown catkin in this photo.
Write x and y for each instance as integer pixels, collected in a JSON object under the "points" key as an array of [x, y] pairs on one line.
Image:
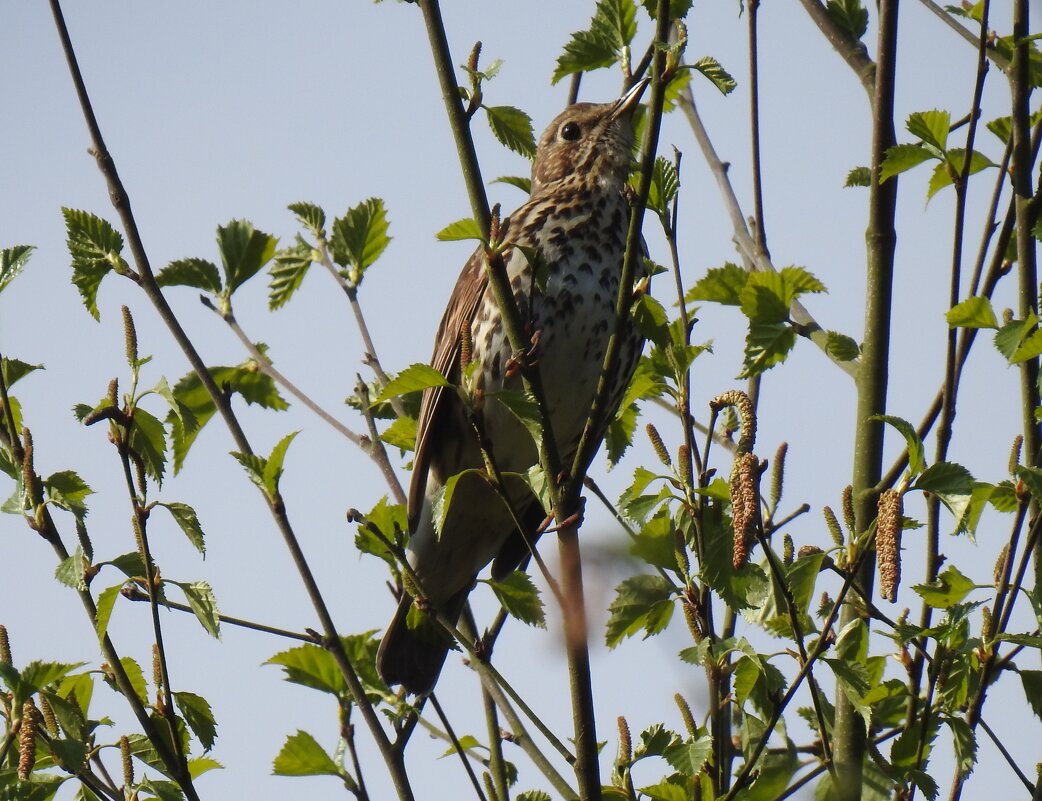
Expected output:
{"points": [[128, 763], [658, 445], [5, 646], [888, 543], [129, 337], [778, 474], [740, 401], [113, 392], [1014, 454], [745, 504], [833, 525], [27, 741], [848, 510], [472, 62]]}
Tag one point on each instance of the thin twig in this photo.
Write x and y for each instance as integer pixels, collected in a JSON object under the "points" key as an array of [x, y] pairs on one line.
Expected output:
{"points": [[457, 747]]}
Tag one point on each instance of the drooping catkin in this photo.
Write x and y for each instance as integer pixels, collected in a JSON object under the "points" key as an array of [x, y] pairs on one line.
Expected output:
{"points": [[888, 543], [657, 444], [27, 741], [745, 504]]}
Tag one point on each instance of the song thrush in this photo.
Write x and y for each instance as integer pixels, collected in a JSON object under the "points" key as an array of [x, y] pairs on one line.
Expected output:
{"points": [[576, 220]]}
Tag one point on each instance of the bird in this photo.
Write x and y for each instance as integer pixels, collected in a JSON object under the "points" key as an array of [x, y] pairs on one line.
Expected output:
{"points": [[576, 220]]}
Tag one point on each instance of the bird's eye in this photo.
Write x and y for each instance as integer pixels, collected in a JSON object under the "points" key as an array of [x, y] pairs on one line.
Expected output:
{"points": [[570, 131]]}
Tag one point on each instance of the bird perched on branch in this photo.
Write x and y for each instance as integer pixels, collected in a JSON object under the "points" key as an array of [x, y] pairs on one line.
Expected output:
{"points": [[576, 220]]}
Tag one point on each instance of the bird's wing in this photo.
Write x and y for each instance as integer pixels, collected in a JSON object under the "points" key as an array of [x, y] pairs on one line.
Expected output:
{"points": [[463, 303]]}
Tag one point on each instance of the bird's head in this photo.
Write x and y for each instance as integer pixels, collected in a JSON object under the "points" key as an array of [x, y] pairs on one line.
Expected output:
{"points": [[587, 143]]}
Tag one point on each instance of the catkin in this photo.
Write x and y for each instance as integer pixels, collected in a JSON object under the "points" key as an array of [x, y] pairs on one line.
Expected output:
{"points": [[888, 543]]}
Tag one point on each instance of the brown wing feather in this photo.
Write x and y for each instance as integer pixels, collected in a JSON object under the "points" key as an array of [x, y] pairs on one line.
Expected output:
{"points": [[463, 303]]}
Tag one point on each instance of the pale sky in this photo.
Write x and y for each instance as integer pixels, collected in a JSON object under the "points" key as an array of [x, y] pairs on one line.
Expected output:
{"points": [[234, 110]]}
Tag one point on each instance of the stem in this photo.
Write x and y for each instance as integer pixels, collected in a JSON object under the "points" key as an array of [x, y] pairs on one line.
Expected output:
{"points": [[881, 239], [457, 746]]}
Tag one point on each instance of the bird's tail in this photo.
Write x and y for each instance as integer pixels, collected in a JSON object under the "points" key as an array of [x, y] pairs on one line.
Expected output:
{"points": [[414, 646]]}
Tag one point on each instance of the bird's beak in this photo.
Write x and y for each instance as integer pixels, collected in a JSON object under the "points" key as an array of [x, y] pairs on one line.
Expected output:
{"points": [[629, 101]]}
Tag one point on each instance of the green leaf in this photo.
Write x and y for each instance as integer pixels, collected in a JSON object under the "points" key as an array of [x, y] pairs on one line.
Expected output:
{"points": [[254, 466], [200, 765], [901, 158], [689, 756], [945, 478], [619, 436], [664, 186], [655, 543], [311, 217], [858, 176], [642, 602], [974, 312], [534, 795], [850, 16], [245, 380], [964, 743], [1032, 478], [37, 675], [948, 589], [197, 273], [677, 8], [766, 345], [311, 666], [185, 517], [14, 370], [135, 676], [841, 347], [199, 716], [720, 285], [106, 601], [520, 598], [414, 378], [757, 681], [401, 433], [717, 75], [651, 319], [513, 128], [1032, 682], [273, 465], [244, 252], [95, 247], [930, 127], [66, 490], [200, 597], [740, 589], [148, 440], [612, 28], [467, 228], [12, 260], [1019, 340], [765, 299], [301, 755], [521, 182], [942, 174], [915, 444], [287, 273], [672, 788], [72, 571], [523, 405], [360, 238]]}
